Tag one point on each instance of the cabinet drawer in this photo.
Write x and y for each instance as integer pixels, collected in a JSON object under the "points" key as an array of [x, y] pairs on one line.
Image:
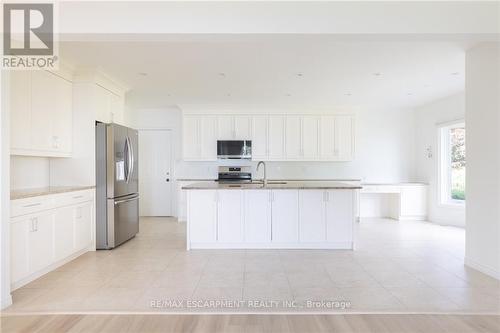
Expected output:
{"points": [[71, 198], [30, 205]]}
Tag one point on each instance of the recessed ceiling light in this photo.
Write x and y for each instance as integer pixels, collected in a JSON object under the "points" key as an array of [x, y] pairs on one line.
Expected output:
{"points": [[348, 94], [228, 95], [300, 74], [289, 95], [455, 73], [427, 85], [143, 74], [377, 74], [410, 94], [222, 75]]}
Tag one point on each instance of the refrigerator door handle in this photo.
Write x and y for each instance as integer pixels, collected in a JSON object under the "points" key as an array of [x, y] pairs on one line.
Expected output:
{"points": [[132, 157], [126, 200], [126, 160]]}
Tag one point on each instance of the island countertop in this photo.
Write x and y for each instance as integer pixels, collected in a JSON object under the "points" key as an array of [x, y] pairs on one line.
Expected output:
{"points": [[273, 185]]}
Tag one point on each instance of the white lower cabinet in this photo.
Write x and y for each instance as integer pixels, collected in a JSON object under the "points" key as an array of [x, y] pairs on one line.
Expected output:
{"points": [[42, 240], [339, 215], [257, 216], [285, 216], [229, 216], [202, 216], [312, 224], [64, 229]]}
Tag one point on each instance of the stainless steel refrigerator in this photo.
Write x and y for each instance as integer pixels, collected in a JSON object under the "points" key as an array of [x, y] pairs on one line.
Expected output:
{"points": [[117, 185]]}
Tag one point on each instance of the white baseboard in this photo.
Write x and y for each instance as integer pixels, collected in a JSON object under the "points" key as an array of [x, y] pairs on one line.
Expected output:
{"points": [[482, 268]]}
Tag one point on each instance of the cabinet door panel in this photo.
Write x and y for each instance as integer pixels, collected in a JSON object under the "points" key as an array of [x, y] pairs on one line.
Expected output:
{"points": [[242, 127], [63, 232], [327, 138], [202, 216], [41, 242], [190, 137], [285, 216], [116, 109], [225, 127], [257, 216], [229, 219], [293, 146], [19, 265], [20, 110], [82, 215], [42, 107], [62, 115], [310, 137], [312, 216], [276, 138], [259, 138], [344, 144], [208, 142], [103, 104], [339, 215]]}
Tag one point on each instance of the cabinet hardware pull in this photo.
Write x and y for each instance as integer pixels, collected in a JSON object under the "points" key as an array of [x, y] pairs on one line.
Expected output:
{"points": [[32, 205], [78, 197]]}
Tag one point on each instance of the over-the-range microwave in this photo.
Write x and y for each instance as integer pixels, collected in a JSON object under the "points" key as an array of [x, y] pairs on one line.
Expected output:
{"points": [[234, 149]]}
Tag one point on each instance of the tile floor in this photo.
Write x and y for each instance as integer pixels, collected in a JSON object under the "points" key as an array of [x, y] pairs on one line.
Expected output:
{"points": [[398, 267]]}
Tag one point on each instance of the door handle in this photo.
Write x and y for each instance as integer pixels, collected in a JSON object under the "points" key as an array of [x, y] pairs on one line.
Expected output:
{"points": [[126, 200]]}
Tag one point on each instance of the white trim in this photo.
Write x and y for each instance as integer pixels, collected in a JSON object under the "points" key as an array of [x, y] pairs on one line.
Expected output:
{"points": [[482, 268]]}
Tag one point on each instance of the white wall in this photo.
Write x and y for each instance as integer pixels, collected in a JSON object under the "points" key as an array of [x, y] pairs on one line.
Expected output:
{"points": [[29, 172], [427, 117], [384, 149], [482, 86]]}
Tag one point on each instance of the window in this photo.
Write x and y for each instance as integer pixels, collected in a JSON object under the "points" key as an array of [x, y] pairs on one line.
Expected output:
{"points": [[453, 163]]}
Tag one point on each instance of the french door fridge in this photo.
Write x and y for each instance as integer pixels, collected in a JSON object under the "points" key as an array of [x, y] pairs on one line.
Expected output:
{"points": [[117, 185]]}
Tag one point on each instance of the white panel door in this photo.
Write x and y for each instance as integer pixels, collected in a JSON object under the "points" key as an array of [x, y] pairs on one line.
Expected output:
{"points": [[155, 186], [293, 141], [42, 107], [62, 115], [83, 225], [225, 127], [285, 216], [20, 109], [259, 138], [41, 241], [312, 224], [310, 137], [344, 143], [202, 216], [229, 216], [63, 232], [276, 137], [339, 215], [191, 148], [208, 142], [257, 216], [19, 251], [242, 127], [327, 138]]}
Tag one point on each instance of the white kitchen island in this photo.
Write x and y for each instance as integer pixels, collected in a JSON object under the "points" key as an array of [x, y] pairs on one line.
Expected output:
{"points": [[280, 215]]}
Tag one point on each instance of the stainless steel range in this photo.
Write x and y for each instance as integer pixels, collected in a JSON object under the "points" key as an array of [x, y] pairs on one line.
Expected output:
{"points": [[232, 174]]}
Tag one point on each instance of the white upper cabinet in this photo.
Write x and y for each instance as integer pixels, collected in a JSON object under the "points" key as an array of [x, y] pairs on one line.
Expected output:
{"points": [[310, 137], [191, 138], [20, 110], [110, 107], [260, 148], [344, 138], [199, 135], [225, 128], [293, 138], [327, 138], [234, 127], [42, 114], [242, 128], [208, 136], [276, 137]]}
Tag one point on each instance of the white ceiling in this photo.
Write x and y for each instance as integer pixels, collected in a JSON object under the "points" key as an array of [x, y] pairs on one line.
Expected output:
{"points": [[314, 71]]}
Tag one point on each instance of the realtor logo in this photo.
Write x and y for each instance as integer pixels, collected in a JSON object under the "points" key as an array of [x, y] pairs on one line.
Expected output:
{"points": [[28, 41]]}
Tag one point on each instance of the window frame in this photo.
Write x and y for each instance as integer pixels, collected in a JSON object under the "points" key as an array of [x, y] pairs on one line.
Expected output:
{"points": [[444, 164]]}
